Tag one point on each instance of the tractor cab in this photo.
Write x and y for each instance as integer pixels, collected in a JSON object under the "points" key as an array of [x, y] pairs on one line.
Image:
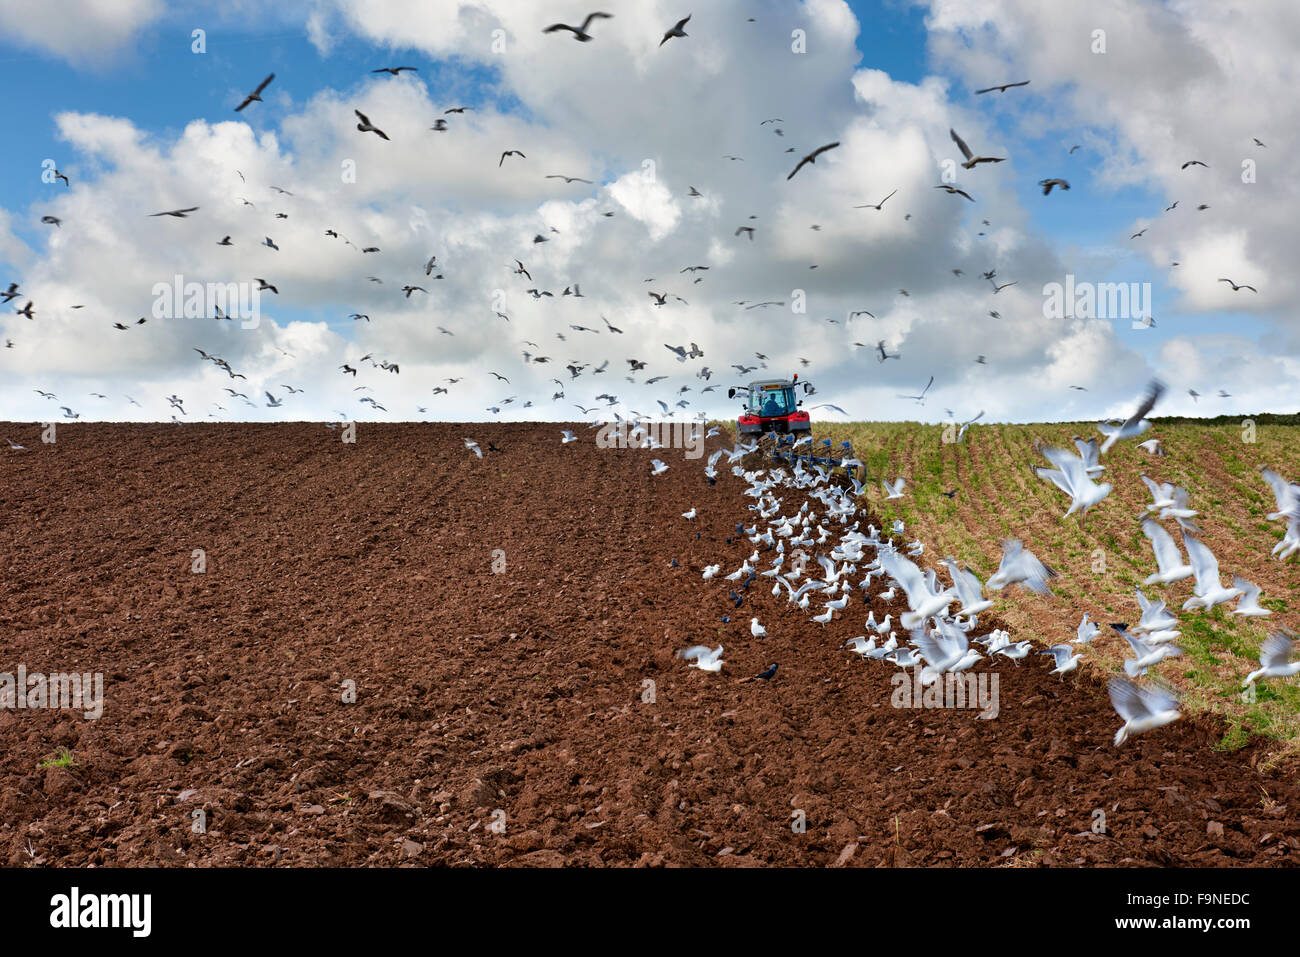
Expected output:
{"points": [[772, 406]]}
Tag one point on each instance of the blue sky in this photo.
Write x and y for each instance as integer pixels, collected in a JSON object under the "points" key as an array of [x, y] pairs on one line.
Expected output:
{"points": [[157, 83]]}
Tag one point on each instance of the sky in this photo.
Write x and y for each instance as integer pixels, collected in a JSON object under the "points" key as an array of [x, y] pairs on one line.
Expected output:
{"points": [[134, 102]]}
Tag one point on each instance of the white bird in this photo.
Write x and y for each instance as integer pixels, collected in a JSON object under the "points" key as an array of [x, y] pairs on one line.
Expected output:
{"points": [[1248, 605], [1169, 558], [895, 490], [1152, 447], [1209, 589], [567, 436], [1015, 651], [1143, 709], [657, 467], [711, 570], [825, 617], [1275, 659], [1066, 658], [1135, 424], [1087, 631], [757, 630], [473, 447], [861, 645], [1155, 615], [704, 657], [1147, 654], [969, 590], [689, 516], [923, 598], [1020, 567], [1071, 477], [15, 447]]}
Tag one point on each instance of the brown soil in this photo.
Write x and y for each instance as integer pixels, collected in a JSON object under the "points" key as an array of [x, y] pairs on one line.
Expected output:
{"points": [[519, 692]]}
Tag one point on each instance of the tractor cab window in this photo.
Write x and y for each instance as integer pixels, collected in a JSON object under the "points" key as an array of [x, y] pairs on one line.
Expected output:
{"points": [[770, 402]]}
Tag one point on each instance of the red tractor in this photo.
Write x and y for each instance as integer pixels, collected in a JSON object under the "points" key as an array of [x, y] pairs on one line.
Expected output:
{"points": [[771, 406]]}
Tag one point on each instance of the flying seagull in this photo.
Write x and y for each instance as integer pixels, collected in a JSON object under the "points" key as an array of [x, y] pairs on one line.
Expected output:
{"points": [[971, 159], [1047, 185], [256, 94], [394, 70], [510, 153], [178, 213], [365, 125], [580, 33], [676, 31], [811, 158], [876, 206], [1001, 89], [1235, 286]]}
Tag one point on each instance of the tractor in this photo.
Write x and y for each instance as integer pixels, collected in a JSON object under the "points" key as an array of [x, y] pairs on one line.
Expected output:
{"points": [[772, 405]]}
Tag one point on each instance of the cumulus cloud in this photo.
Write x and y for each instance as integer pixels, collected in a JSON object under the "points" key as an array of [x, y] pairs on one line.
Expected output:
{"points": [[646, 124]]}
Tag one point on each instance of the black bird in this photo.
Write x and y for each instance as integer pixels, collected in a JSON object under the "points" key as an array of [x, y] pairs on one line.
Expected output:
{"points": [[365, 126], [811, 158], [580, 33], [1047, 185], [348, 370], [394, 70], [1001, 89], [676, 31], [767, 675], [256, 94]]}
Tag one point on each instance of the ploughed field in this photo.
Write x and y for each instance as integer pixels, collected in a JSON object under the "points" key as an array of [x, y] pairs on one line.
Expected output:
{"points": [[398, 653]]}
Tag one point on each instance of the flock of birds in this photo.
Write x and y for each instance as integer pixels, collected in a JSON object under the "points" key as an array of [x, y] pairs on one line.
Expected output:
{"points": [[661, 293], [940, 641]]}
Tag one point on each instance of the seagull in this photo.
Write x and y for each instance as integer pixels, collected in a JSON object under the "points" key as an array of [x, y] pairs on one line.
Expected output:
{"points": [[474, 447], [1135, 424], [971, 159], [1087, 631], [1209, 589], [1071, 476], [567, 436], [657, 467], [1194, 163], [755, 629], [1001, 89], [177, 213], [1143, 709], [52, 221], [875, 206], [1152, 447], [502, 162], [969, 590], [272, 402], [703, 657], [811, 158], [883, 355], [954, 191], [920, 398], [256, 95], [1148, 653], [689, 516], [1021, 567], [365, 125], [1235, 287], [570, 179], [1066, 658], [1169, 559], [580, 33], [1274, 657], [1248, 605], [1047, 185], [893, 491], [395, 70], [15, 447], [676, 31]]}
